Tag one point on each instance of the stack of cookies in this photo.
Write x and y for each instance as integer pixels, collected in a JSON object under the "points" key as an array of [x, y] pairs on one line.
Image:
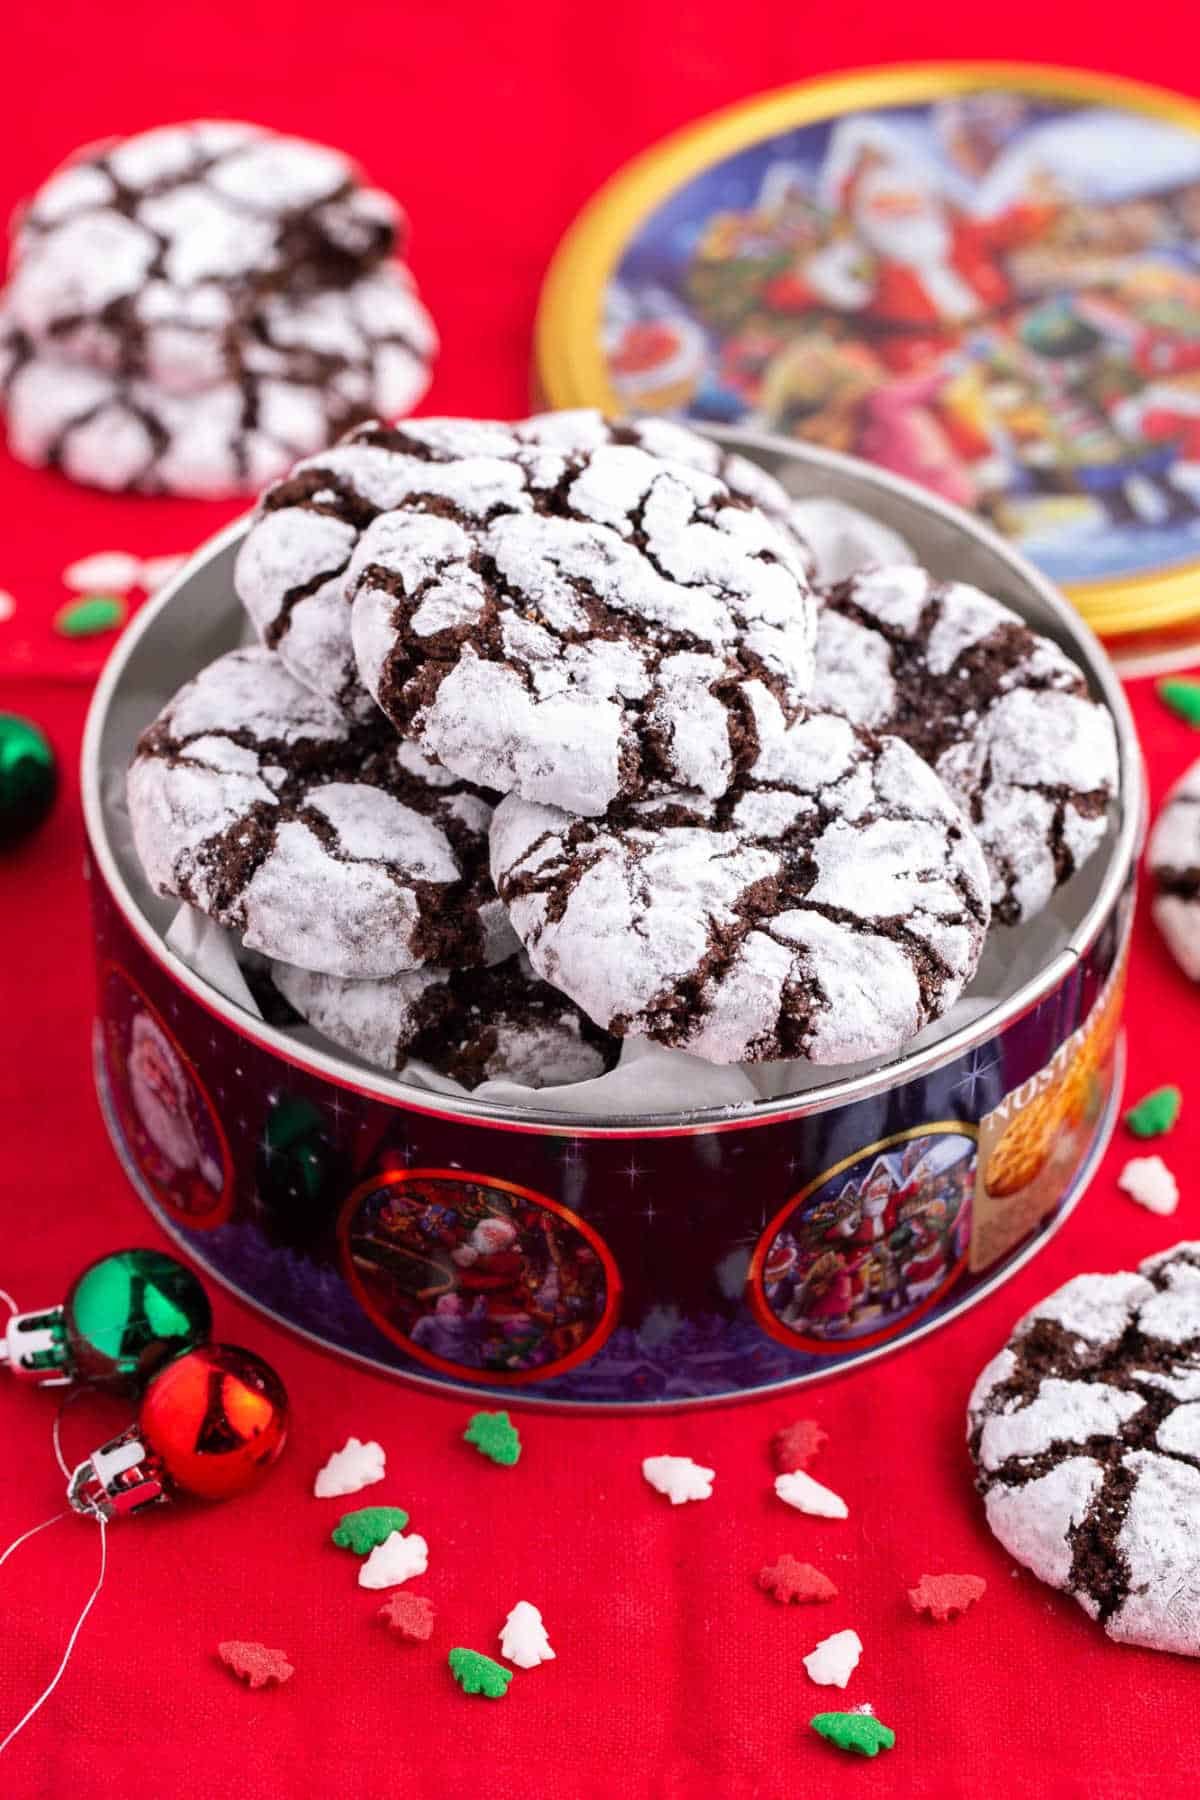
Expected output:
{"points": [[550, 742], [190, 310]]}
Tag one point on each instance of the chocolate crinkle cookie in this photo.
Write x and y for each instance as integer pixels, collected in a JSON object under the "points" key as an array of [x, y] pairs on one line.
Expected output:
{"points": [[1000, 712], [144, 256], [306, 369], [1085, 1432], [1173, 858], [326, 842], [474, 1025], [191, 310], [592, 598], [828, 906]]}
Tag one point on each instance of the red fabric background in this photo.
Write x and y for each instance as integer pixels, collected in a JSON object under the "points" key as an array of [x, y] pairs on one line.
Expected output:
{"points": [[674, 1675]]}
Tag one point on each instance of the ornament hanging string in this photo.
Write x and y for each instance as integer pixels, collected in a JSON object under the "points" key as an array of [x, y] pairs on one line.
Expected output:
{"points": [[9, 1301], [79, 1623], [56, 1441]]}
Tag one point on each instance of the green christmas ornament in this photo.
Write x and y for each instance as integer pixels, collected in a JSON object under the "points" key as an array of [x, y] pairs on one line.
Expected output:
{"points": [[370, 1526], [1182, 696], [478, 1674], [28, 776], [90, 616], [122, 1319], [1155, 1113], [861, 1732], [495, 1436]]}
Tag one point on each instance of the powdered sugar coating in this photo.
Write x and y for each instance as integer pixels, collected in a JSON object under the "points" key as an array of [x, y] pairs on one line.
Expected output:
{"points": [[143, 256], [1086, 1433], [584, 429], [258, 803], [475, 1024], [299, 373], [1002, 715], [292, 570], [828, 906], [596, 640], [1173, 858]]}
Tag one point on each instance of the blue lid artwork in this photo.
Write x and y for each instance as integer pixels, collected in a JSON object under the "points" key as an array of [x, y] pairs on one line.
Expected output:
{"points": [[993, 290]]}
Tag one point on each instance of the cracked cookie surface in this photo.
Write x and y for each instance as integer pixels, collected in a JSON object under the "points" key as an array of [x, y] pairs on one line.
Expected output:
{"points": [[1085, 1431], [144, 256], [828, 906], [326, 843], [296, 373], [472, 487], [1000, 712], [1173, 858], [474, 1025]]}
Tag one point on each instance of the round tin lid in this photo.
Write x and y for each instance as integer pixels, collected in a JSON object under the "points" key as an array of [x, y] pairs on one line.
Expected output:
{"points": [[985, 277]]}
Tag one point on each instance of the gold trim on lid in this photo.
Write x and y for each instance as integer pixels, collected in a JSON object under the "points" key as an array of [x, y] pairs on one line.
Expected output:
{"points": [[569, 363]]}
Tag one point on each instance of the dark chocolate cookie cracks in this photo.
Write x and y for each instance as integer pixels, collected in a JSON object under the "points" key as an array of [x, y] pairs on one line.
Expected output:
{"points": [[1085, 1432], [473, 1025], [326, 843], [828, 906], [594, 610], [1002, 715]]}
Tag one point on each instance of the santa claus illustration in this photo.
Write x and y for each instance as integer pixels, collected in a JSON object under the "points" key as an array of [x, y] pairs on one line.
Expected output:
{"points": [[491, 1265], [878, 1206], [160, 1090], [913, 267]]}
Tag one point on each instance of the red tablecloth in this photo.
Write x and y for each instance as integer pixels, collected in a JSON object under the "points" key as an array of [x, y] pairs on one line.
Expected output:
{"points": [[674, 1676]]}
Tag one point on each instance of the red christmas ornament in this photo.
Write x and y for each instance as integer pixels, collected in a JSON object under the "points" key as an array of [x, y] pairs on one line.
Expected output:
{"points": [[211, 1424]]}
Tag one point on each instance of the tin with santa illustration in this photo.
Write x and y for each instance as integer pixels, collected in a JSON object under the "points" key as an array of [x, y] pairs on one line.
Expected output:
{"points": [[981, 277], [671, 1232]]}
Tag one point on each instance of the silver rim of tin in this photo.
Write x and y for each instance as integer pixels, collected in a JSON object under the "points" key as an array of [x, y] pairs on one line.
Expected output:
{"points": [[887, 496]]}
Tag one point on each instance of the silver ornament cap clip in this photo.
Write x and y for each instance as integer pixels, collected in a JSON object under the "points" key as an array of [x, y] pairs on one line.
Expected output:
{"points": [[34, 1347], [120, 1478]]}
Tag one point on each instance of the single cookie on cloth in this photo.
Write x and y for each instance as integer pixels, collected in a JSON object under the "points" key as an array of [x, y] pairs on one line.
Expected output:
{"points": [[1085, 1432], [326, 843], [143, 256], [577, 621], [299, 372], [472, 1024], [1173, 858], [829, 906], [1001, 713]]}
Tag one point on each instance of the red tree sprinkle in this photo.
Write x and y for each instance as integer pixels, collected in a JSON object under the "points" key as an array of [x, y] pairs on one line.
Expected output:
{"points": [[791, 1580], [796, 1445], [410, 1616], [943, 1596], [254, 1663]]}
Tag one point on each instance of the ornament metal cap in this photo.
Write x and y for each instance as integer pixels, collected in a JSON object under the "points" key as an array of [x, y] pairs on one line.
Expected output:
{"points": [[34, 1348], [122, 1477], [123, 1318]]}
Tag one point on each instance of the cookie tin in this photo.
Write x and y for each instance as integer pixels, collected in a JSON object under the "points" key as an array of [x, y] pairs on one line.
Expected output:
{"points": [[985, 277], [580, 1261]]}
